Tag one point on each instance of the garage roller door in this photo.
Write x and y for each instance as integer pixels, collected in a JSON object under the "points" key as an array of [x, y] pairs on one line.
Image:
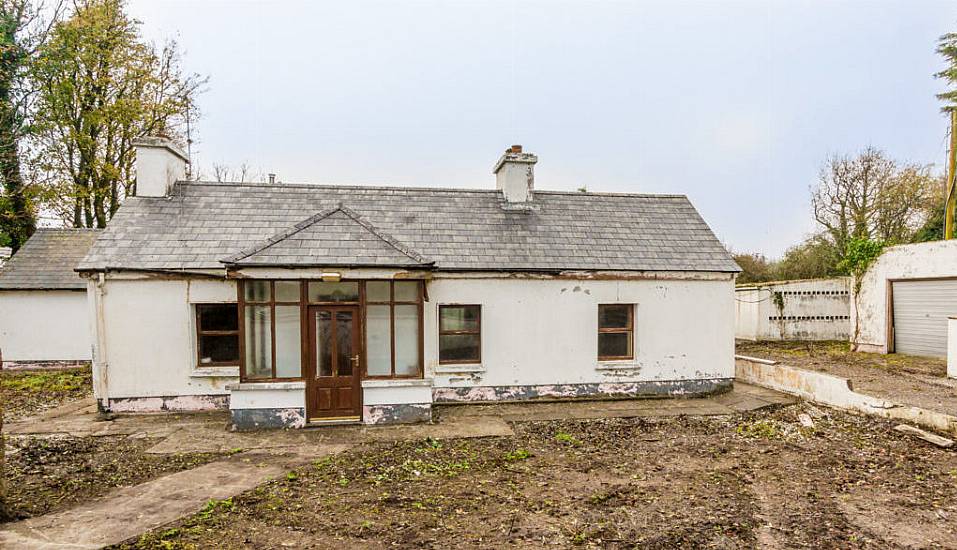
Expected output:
{"points": [[921, 309]]}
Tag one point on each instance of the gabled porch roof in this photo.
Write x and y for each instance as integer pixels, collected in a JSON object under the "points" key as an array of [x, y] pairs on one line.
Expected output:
{"points": [[336, 236]]}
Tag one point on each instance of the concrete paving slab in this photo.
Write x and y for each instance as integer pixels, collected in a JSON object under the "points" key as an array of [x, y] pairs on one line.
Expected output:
{"points": [[130, 511]]}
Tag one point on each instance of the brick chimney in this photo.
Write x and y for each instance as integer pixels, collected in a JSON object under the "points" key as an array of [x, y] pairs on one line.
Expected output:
{"points": [[515, 175], [159, 164]]}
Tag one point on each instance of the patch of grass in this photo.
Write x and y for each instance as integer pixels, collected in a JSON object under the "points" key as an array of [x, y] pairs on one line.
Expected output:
{"points": [[759, 429], [65, 381], [517, 454], [567, 438]]}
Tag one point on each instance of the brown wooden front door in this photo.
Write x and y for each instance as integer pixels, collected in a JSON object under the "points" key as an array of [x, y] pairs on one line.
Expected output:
{"points": [[332, 377]]}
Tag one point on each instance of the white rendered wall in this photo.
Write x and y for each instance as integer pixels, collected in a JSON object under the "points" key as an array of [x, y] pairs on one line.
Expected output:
{"points": [[543, 332], [45, 325], [909, 261], [813, 309], [149, 337]]}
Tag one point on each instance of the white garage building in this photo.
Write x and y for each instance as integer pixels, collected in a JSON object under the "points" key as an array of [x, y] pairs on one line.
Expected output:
{"points": [[44, 313], [905, 300]]}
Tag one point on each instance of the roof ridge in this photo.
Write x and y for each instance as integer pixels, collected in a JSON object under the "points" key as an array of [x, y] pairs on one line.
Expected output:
{"points": [[306, 185], [319, 216]]}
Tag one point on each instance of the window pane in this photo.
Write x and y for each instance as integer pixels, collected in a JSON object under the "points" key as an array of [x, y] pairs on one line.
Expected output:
{"points": [[344, 355], [459, 347], [614, 344], [287, 291], [321, 291], [454, 318], [288, 341], [217, 317], [257, 291], [324, 343], [258, 342], [407, 291], [378, 341], [406, 340], [218, 349], [377, 291], [613, 316]]}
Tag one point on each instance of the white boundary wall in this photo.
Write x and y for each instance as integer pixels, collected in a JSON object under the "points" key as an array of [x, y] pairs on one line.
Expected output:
{"points": [[45, 325], [909, 261], [813, 309]]}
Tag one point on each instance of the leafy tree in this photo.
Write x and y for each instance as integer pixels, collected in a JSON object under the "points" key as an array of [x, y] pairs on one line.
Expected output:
{"points": [[814, 258], [947, 48], [22, 30], [755, 268], [100, 87]]}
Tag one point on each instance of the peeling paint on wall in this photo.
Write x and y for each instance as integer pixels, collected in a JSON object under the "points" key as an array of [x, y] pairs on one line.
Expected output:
{"points": [[579, 391], [177, 403], [258, 419], [397, 414]]}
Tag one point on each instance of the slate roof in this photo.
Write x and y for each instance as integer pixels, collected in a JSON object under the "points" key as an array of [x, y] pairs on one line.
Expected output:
{"points": [[337, 236], [205, 225], [47, 261]]}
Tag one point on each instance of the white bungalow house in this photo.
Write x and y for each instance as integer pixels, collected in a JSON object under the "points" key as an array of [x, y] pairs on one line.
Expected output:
{"points": [[44, 314], [297, 305]]}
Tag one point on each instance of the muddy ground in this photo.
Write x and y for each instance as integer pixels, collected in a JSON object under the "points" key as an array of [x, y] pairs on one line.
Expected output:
{"points": [[744, 481], [46, 474], [918, 381], [26, 393]]}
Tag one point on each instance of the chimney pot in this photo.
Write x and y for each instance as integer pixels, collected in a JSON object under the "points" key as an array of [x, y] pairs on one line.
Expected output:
{"points": [[515, 175], [159, 163]]}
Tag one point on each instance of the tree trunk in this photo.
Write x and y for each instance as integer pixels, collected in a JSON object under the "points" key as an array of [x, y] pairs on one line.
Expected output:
{"points": [[4, 507]]}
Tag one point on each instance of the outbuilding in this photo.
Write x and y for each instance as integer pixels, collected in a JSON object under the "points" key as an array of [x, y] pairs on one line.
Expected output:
{"points": [[300, 304], [44, 314], [905, 299]]}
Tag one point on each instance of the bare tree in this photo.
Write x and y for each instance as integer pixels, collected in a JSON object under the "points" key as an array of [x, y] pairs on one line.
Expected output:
{"points": [[240, 174], [871, 197]]}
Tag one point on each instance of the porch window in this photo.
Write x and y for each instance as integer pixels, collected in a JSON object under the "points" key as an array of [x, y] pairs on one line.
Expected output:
{"points": [[393, 329], [217, 335], [460, 334], [272, 339], [616, 324]]}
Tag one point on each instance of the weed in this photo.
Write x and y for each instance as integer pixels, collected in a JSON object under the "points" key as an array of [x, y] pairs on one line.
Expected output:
{"points": [[517, 454], [763, 429], [567, 438]]}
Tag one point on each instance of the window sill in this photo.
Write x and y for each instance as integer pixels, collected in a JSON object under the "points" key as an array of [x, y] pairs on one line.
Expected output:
{"points": [[215, 372], [618, 365], [456, 369], [397, 383], [259, 386]]}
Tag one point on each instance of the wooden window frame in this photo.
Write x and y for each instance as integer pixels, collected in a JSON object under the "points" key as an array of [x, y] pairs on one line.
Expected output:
{"points": [[200, 333], [478, 332], [272, 303], [630, 330], [420, 296]]}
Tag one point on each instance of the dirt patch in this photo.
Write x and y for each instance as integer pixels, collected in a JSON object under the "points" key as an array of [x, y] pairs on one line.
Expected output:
{"points": [[45, 474], [717, 482], [904, 379], [26, 393]]}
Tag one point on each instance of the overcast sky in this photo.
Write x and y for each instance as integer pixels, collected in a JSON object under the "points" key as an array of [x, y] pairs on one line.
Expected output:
{"points": [[735, 104]]}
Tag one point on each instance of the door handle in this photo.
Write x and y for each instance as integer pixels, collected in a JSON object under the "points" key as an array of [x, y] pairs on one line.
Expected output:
{"points": [[355, 360]]}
